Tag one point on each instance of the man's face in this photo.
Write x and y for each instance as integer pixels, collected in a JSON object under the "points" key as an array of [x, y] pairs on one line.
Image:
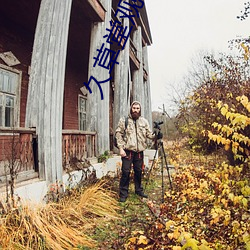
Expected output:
{"points": [[136, 108]]}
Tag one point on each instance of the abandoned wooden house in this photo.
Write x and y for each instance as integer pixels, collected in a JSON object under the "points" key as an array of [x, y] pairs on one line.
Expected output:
{"points": [[48, 50]]}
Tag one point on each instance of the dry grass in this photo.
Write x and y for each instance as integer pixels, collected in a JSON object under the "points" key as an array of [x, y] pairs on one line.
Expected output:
{"points": [[62, 225]]}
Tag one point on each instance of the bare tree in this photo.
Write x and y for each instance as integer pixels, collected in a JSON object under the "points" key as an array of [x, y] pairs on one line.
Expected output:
{"points": [[12, 167], [245, 12]]}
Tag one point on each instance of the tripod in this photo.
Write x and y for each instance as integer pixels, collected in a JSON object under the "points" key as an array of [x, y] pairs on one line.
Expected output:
{"points": [[159, 148]]}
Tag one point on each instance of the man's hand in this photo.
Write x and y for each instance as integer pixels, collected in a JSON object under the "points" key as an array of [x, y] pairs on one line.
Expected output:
{"points": [[159, 135], [122, 152]]}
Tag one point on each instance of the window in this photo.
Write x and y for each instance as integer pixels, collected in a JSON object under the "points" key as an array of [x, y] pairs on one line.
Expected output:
{"points": [[82, 101], [9, 97]]}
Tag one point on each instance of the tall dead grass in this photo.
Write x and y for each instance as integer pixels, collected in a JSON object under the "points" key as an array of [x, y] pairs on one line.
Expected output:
{"points": [[62, 225]]}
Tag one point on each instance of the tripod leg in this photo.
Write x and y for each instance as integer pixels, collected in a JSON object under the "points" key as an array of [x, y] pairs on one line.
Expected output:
{"points": [[150, 170], [162, 178], [165, 158]]}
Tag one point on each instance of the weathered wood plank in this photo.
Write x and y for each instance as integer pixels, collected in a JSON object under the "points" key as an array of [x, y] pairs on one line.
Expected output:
{"points": [[138, 74], [17, 130], [148, 107], [47, 85], [92, 9], [21, 177], [135, 63], [77, 132], [97, 109], [122, 83]]}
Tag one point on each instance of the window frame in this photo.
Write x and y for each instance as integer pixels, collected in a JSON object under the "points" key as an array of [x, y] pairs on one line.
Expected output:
{"points": [[79, 112], [17, 96]]}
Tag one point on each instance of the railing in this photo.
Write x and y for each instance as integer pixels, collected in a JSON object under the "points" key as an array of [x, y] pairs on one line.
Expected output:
{"points": [[78, 145], [18, 150], [17, 153]]}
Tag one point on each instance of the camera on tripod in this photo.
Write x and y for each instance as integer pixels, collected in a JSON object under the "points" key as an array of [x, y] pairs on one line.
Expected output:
{"points": [[159, 148], [157, 131], [157, 125]]}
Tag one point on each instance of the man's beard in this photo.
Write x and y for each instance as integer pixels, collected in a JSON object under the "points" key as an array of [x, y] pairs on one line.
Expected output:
{"points": [[135, 115]]}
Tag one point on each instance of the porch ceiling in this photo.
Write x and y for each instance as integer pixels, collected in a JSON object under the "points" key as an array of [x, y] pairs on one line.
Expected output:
{"points": [[23, 14]]}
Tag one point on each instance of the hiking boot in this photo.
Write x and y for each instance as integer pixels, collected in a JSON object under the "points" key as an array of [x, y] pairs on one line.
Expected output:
{"points": [[122, 199], [142, 195]]}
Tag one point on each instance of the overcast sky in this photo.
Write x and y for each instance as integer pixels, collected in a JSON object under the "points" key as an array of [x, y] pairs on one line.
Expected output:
{"points": [[181, 28]]}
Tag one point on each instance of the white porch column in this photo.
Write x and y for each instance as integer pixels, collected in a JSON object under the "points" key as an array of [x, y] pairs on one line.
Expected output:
{"points": [[138, 89], [97, 109], [122, 82], [45, 95], [147, 94]]}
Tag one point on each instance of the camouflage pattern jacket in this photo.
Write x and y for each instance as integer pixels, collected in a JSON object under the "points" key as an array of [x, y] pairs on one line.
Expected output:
{"points": [[136, 134]]}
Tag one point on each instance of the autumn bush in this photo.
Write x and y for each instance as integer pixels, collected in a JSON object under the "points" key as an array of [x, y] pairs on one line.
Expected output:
{"points": [[234, 135], [208, 208], [219, 78]]}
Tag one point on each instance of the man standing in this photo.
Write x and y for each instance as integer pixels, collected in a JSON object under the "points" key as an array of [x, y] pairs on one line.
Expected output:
{"points": [[132, 141]]}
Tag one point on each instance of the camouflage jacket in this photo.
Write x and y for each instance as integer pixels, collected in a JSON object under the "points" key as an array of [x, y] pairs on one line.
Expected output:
{"points": [[136, 134]]}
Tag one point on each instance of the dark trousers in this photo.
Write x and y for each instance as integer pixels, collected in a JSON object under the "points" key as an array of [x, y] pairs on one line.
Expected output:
{"points": [[135, 158]]}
